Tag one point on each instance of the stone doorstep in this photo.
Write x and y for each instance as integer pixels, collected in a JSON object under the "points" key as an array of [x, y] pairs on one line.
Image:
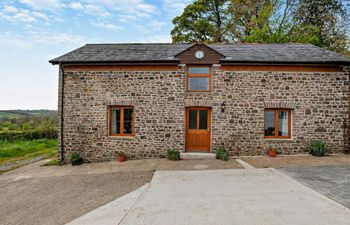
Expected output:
{"points": [[197, 155]]}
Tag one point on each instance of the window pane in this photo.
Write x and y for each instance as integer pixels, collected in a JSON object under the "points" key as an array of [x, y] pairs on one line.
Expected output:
{"points": [[199, 70], [199, 84], [116, 121], [269, 123], [283, 123], [203, 119], [192, 119], [128, 121]]}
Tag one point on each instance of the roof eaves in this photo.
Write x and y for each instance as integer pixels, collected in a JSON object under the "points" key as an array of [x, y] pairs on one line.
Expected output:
{"points": [[338, 62], [55, 62]]}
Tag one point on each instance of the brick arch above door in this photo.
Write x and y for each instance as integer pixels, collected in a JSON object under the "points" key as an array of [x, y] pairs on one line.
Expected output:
{"points": [[280, 104], [199, 103]]}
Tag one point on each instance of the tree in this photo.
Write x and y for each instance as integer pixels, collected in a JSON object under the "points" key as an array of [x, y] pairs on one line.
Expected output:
{"points": [[274, 23], [204, 20], [329, 17], [320, 22]]}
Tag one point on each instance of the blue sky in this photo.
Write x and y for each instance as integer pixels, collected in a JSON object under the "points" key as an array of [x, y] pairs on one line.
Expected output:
{"points": [[34, 31]]}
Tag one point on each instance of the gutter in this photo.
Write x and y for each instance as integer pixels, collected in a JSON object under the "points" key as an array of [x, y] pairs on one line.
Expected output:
{"points": [[62, 119]]}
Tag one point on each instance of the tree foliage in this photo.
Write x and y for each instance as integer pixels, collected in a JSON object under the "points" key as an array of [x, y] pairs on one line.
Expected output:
{"points": [[205, 21], [320, 22], [330, 17]]}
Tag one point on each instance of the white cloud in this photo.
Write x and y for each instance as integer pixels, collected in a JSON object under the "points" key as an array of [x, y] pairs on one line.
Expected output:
{"points": [[126, 8], [151, 27], [108, 26], [96, 10], [43, 4], [10, 9], [41, 16], [32, 38], [16, 15], [49, 38], [23, 17], [158, 39], [175, 7], [13, 14], [76, 5], [9, 40]]}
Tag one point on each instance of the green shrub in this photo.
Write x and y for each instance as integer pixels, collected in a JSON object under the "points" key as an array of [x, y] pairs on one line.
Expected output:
{"points": [[173, 154], [317, 147], [75, 158], [222, 153], [49, 133]]}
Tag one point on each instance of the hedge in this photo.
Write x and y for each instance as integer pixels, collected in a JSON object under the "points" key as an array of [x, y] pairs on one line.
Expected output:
{"points": [[28, 135]]}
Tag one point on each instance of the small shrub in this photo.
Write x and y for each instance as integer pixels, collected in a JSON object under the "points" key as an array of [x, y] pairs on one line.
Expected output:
{"points": [[222, 153], [173, 154], [317, 148], [75, 158]]}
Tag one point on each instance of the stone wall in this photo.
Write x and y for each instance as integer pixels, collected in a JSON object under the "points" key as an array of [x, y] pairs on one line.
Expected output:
{"points": [[157, 97], [319, 103]]}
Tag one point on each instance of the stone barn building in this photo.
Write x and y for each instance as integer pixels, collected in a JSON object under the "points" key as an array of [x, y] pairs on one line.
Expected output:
{"points": [[145, 98]]}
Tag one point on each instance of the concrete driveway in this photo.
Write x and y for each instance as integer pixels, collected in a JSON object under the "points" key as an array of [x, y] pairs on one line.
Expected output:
{"points": [[241, 196]]}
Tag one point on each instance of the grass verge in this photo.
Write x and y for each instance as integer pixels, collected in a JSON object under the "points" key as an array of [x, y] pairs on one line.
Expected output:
{"points": [[18, 153]]}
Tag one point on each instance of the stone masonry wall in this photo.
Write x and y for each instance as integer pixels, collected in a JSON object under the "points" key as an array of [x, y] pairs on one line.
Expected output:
{"points": [[159, 114], [319, 103]]}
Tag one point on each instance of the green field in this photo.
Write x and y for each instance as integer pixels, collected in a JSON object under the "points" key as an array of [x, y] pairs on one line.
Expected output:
{"points": [[16, 153]]}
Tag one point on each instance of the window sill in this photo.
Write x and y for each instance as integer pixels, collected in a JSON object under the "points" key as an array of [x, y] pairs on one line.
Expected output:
{"points": [[279, 139], [122, 137]]}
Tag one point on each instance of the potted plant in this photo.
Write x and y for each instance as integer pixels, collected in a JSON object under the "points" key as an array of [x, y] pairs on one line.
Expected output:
{"points": [[173, 154], [317, 148], [272, 152], [75, 158], [121, 156], [222, 153]]}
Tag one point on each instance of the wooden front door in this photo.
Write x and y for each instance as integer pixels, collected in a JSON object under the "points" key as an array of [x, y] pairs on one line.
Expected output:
{"points": [[198, 129]]}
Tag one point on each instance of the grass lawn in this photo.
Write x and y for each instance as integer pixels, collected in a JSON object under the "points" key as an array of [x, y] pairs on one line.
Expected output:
{"points": [[17, 153]]}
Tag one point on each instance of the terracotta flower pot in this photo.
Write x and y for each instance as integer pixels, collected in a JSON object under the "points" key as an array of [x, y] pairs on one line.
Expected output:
{"points": [[272, 152], [121, 158]]}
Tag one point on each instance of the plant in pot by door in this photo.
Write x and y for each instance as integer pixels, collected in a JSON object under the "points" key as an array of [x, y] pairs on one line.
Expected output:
{"points": [[121, 156], [272, 152], [317, 148], [222, 153], [75, 158], [173, 154]]}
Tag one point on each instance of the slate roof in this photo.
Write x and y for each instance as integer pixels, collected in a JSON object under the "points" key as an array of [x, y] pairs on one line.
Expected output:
{"points": [[163, 52]]}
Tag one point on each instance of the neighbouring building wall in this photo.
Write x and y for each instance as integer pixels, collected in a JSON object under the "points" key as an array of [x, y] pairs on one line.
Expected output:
{"points": [[319, 103]]}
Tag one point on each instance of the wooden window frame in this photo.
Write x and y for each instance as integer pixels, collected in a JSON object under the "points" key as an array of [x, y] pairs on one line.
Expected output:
{"points": [[122, 108], [209, 75], [276, 111]]}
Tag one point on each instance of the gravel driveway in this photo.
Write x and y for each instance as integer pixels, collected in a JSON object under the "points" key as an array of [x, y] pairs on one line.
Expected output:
{"points": [[332, 181], [57, 195]]}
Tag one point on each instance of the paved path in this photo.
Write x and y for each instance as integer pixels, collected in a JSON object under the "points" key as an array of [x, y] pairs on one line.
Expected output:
{"points": [[332, 181], [241, 196]]}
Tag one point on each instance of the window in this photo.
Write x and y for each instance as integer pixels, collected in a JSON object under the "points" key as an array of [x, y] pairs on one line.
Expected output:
{"points": [[198, 119], [277, 123], [121, 121], [198, 78]]}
